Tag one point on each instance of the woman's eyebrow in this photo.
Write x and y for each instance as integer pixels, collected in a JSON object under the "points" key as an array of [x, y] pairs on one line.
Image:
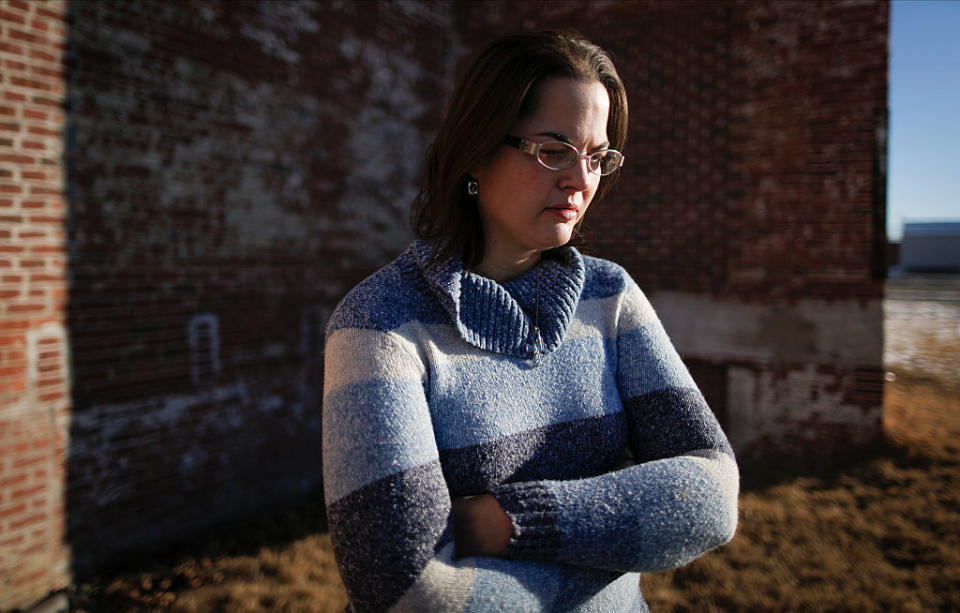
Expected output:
{"points": [[556, 135], [565, 139]]}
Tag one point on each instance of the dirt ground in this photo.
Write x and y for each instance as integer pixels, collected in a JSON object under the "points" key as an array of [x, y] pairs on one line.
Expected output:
{"points": [[875, 531]]}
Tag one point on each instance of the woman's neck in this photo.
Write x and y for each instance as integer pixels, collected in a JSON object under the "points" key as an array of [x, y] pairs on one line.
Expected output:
{"points": [[503, 267]]}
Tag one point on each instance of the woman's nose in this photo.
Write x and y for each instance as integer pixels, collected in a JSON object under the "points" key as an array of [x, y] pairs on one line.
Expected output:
{"points": [[577, 177]]}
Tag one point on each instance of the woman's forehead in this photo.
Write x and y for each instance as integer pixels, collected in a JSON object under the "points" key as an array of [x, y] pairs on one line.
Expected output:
{"points": [[569, 110]]}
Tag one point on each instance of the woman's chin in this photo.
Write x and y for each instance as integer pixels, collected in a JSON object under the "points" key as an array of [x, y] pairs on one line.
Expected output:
{"points": [[559, 238]]}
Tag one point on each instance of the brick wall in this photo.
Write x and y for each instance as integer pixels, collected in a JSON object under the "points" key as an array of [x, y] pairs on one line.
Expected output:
{"points": [[230, 179], [34, 405], [229, 169]]}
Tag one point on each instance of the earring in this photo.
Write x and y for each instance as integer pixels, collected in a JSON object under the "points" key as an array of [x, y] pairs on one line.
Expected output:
{"points": [[473, 187]]}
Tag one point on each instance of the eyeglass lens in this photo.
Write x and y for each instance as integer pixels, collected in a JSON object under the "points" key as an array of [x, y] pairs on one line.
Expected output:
{"points": [[560, 156]]}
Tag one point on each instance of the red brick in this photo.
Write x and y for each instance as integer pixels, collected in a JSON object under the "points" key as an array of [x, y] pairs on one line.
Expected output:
{"points": [[12, 17], [39, 115], [28, 461], [12, 541], [30, 491], [39, 54], [44, 131], [33, 84], [11, 48], [25, 36], [13, 65], [39, 190], [8, 482], [43, 11], [17, 159], [12, 511], [42, 101], [33, 576]]}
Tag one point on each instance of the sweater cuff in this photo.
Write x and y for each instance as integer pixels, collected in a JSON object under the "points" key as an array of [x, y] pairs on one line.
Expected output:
{"points": [[532, 509]]}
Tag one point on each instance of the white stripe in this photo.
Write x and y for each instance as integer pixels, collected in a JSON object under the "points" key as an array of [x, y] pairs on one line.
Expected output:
{"points": [[355, 355], [444, 585], [722, 469]]}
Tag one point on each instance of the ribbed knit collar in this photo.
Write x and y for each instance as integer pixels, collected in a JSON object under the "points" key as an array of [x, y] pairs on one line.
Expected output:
{"points": [[500, 317]]}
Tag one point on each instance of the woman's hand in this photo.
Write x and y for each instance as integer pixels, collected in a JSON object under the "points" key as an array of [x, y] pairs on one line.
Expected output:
{"points": [[480, 527]]}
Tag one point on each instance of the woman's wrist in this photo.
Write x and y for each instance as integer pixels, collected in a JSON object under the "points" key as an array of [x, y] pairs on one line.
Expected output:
{"points": [[480, 527]]}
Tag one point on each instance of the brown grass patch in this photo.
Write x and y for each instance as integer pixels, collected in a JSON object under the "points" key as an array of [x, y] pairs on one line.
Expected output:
{"points": [[879, 532], [280, 561]]}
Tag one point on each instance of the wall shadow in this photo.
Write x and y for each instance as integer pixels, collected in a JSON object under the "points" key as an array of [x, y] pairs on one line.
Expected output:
{"points": [[232, 169]]}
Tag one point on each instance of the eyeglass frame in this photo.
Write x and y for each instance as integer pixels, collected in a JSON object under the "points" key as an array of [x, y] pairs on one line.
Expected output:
{"points": [[532, 148]]}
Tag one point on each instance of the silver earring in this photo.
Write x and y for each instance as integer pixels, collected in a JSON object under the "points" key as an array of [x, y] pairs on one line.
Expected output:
{"points": [[473, 187]]}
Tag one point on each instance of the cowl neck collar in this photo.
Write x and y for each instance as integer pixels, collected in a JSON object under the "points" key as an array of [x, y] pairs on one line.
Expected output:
{"points": [[499, 317]]}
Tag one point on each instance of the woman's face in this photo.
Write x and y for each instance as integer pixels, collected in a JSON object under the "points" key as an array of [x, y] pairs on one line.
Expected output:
{"points": [[526, 207]]}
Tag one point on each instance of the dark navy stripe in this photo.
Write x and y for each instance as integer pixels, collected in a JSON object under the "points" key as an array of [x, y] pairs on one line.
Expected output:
{"points": [[385, 533], [672, 422], [572, 450], [535, 513]]}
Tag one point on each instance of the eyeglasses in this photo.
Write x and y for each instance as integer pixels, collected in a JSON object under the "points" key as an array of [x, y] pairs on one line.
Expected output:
{"points": [[557, 155]]}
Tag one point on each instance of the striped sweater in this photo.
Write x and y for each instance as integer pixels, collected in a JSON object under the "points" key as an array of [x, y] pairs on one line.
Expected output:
{"points": [[605, 456]]}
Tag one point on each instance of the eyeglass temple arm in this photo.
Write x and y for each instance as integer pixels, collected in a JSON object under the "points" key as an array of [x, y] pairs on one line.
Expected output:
{"points": [[522, 144]]}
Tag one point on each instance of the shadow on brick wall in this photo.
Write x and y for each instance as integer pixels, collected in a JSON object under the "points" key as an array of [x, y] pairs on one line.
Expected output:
{"points": [[232, 170]]}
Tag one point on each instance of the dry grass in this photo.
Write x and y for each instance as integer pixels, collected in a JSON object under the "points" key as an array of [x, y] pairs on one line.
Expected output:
{"points": [[877, 532]]}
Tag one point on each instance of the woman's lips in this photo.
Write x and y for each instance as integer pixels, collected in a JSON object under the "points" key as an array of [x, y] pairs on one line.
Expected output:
{"points": [[565, 213]]}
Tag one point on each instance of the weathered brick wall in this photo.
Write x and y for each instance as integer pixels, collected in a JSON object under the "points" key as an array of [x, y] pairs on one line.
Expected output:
{"points": [[34, 405], [230, 169], [234, 168], [751, 207]]}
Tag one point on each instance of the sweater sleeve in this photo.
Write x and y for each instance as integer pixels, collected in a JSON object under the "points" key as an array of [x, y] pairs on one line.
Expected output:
{"points": [[388, 506], [680, 498]]}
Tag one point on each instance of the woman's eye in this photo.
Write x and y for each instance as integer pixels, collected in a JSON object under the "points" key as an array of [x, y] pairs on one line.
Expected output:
{"points": [[556, 153]]}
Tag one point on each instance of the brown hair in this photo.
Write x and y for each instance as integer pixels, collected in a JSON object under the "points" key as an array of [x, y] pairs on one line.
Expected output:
{"points": [[500, 86]]}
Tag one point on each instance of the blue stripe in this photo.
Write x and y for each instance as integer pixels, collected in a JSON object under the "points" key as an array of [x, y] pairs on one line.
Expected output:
{"points": [[682, 507], [601, 590], [647, 353], [385, 533], [602, 279], [510, 585], [572, 450], [471, 404], [373, 429], [397, 294], [667, 423]]}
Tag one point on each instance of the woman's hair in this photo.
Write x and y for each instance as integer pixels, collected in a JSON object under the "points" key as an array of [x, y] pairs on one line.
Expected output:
{"points": [[500, 86]]}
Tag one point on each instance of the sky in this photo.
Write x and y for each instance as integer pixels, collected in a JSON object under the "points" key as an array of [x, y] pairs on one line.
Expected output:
{"points": [[923, 167]]}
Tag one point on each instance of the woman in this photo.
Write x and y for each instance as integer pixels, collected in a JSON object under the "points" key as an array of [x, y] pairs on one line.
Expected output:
{"points": [[506, 424]]}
